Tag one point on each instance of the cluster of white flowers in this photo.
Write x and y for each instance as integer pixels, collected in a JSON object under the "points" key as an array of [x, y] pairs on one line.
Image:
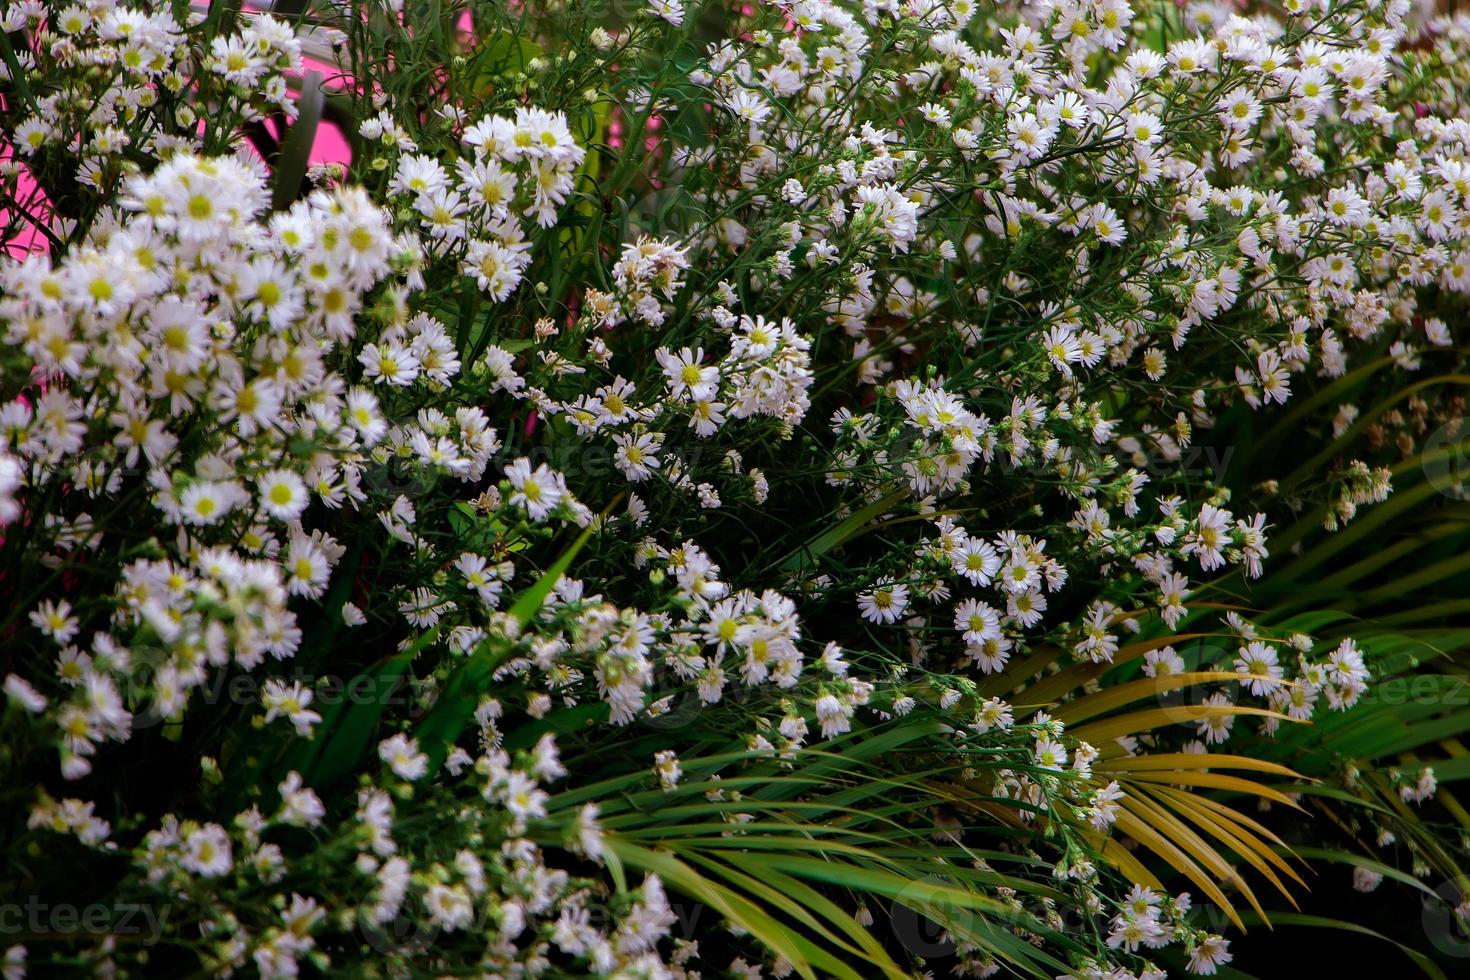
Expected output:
{"points": [[134, 85], [519, 168], [1021, 271], [1325, 268], [189, 310], [647, 277]]}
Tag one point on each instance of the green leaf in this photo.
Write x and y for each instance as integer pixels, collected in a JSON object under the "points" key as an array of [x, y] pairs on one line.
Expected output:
{"points": [[296, 149], [1359, 861], [804, 558], [456, 706], [345, 737], [738, 910]]}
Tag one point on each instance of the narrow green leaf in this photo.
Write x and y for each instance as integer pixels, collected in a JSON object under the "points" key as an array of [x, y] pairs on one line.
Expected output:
{"points": [[291, 166]]}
